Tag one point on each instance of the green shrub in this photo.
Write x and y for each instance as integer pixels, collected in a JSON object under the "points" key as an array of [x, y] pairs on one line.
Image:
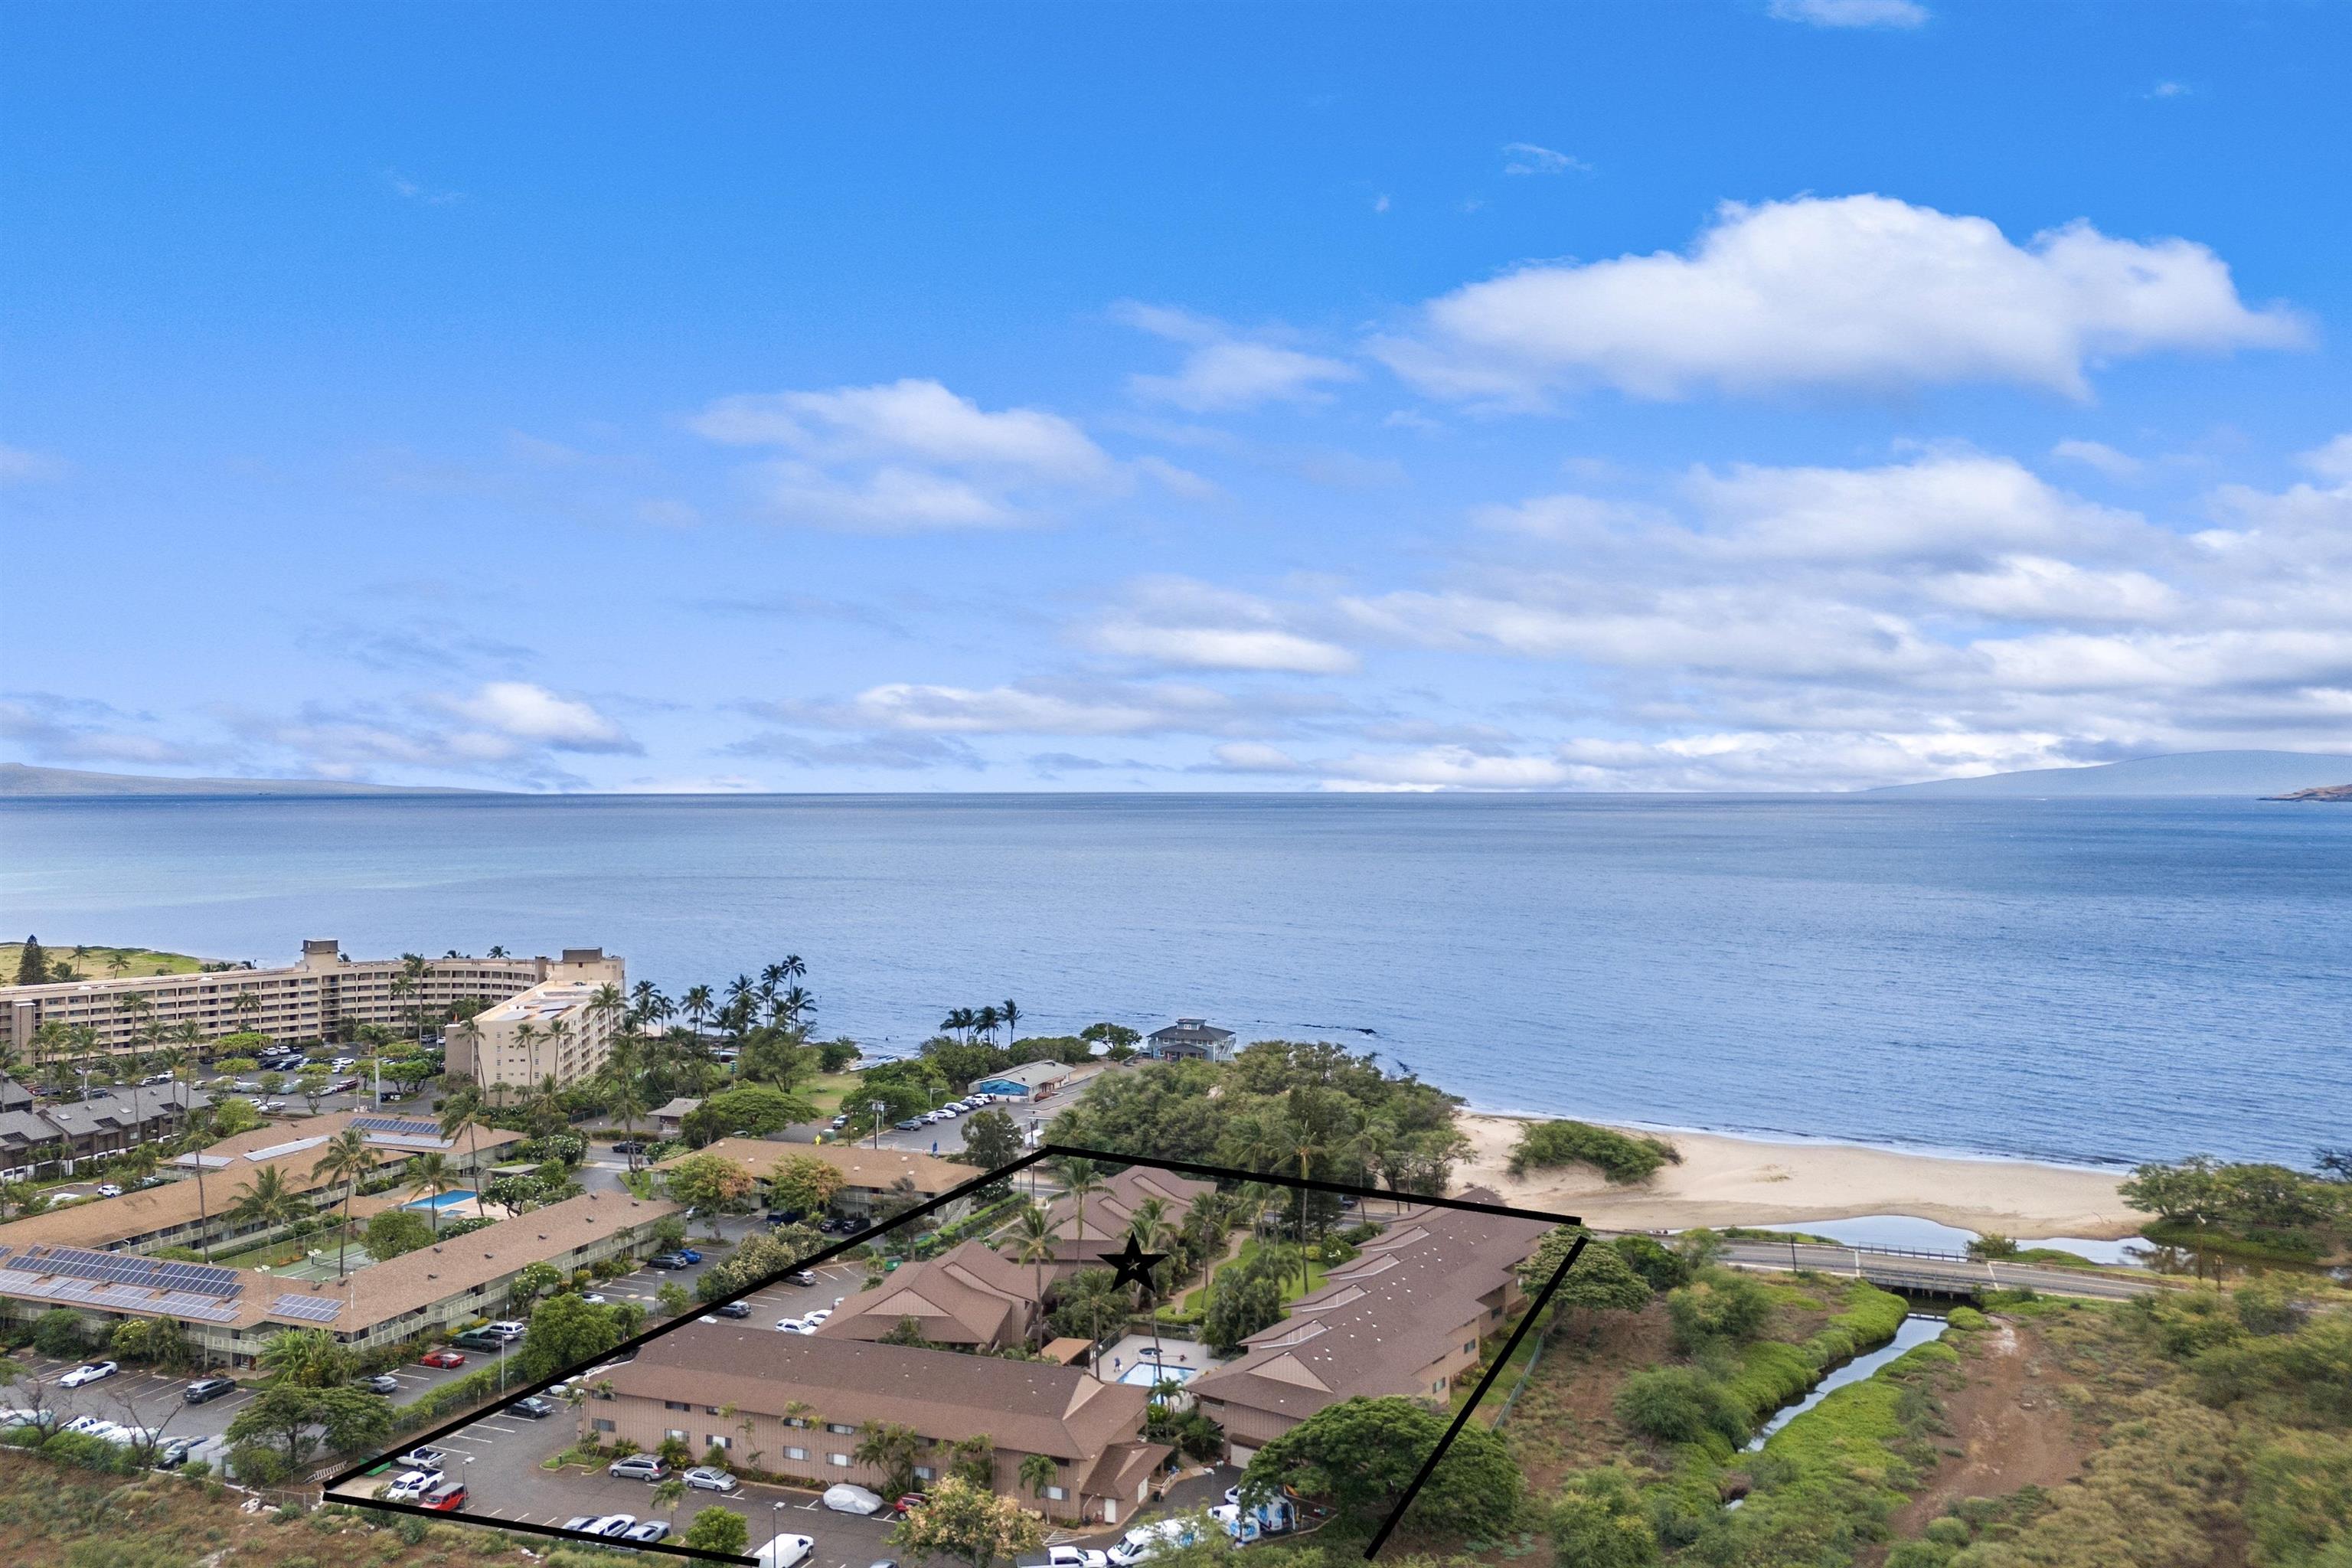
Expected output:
{"points": [[1719, 1305], [1619, 1156], [1662, 1269], [59, 1332], [1680, 1404]]}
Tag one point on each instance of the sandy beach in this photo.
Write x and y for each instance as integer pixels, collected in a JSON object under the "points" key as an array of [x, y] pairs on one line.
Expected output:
{"points": [[1733, 1181]]}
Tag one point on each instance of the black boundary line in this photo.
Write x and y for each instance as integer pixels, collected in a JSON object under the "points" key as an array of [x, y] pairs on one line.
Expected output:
{"points": [[1462, 1416], [865, 1237]]}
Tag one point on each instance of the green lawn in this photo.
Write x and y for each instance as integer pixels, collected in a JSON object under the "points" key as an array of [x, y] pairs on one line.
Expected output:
{"points": [[96, 963], [1196, 1299], [824, 1091]]}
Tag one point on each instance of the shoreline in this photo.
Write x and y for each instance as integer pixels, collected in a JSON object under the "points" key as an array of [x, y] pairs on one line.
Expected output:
{"points": [[1727, 1180]]}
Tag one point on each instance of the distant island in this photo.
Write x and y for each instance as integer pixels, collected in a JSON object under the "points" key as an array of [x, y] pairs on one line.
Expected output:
{"points": [[2332, 792], [20, 781], [2268, 774]]}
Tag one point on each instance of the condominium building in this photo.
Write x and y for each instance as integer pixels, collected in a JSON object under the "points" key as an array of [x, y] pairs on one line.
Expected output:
{"points": [[555, 1030], [322, 996]]}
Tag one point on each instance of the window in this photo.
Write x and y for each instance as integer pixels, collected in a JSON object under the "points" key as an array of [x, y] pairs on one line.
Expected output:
{"points": [[795, 1453], [925, 1473], [676, 1404], [1056, 1493], [714, 1441], [674, 1432], [601, 1425], [1470, 1349], [840, 1460], [837, 1427]]}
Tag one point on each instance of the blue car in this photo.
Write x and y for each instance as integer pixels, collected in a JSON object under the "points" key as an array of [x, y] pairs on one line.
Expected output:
{"points": [[688, 1254]]}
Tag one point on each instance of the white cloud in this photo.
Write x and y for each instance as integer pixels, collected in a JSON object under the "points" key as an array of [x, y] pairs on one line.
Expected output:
{"points": [[906, 419], [1859, 292], [2331, 461], [1953, 507], [1224, 371], [906, 456], [418, 192], [1223, 648], [1176, 622], [2100, 456], [1526, 158], [1851, 13], [519, 710], [1023, 710]]}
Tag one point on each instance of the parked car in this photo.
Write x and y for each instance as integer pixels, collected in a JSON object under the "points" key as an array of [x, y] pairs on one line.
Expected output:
{"points": [[840, 1121], [1065, 1557], [647, 1530], [580, 1521], [847, 1499], [804, 1276], [448, 1500], [88, 1371], [785, 1551], [174, 1454], [734, 1309], [690, 1254], [509, 1329], [912, 1124], [1146, 1541], [206, 1388], [909, 1501], [24, 1415], [611, 1524], [421, 1459], [442, 1357], [638, 1467], [630, 1146], [382, 1383], [109, 1190], [792, 1325], [412, 1486], [709, 1478], [532, 1405], [667, 1260], [819, 1315], [483, 1339]]}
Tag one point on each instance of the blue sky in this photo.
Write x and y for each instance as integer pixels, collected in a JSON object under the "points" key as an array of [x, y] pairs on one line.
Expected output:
{"points": [[1807, 394]]}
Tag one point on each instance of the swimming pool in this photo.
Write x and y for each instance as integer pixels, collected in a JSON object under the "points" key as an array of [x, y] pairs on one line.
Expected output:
{"points": [[447, 1200], [1145, 1373]]}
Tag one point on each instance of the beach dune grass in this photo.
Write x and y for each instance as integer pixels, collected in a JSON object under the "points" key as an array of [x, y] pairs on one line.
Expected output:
{"points": [[1621, 1157], [99, 963]]}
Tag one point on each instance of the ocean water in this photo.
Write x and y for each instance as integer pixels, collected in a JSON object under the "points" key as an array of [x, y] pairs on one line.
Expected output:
{"points": [[2077, 980]]}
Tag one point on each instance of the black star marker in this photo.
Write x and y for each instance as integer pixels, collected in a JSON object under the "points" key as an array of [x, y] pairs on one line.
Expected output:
{"points": [[1134, 1264]]}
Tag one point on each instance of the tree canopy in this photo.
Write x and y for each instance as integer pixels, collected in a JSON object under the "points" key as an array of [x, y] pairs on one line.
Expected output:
{"points": [[1359, 1455]]}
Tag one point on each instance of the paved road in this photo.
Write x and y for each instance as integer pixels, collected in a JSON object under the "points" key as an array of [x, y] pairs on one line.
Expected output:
{"points": [[1937, 1272]]}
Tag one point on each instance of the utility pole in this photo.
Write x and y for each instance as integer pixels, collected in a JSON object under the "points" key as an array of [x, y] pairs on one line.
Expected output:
{"points": [[876, 1107]]}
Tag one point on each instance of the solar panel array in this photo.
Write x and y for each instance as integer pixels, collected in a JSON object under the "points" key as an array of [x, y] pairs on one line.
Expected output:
{"points": [[308, 1308], [64, 1288], [117, 1268], [401, 1126]]}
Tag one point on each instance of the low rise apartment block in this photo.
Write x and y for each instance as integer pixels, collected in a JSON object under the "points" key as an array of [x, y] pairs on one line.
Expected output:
{"points": [[1404, 1317], [38, 1139], [322, 996], [804, 1401]]}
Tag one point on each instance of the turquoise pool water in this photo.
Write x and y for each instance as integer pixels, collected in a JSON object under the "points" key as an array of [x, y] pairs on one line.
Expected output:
{"points": [[447, 1200]]}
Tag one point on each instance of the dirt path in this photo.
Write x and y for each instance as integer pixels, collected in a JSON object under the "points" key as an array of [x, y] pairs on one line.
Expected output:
{"points": [[2015, 1431]]}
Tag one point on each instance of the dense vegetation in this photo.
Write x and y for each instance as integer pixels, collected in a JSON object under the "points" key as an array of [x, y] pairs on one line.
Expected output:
{"points": [[2252, 1210], [1620, 1156], [1296, 1109]]}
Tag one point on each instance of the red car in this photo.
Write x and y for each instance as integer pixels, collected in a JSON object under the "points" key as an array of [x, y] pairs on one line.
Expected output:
{"points": [[909, 1501], [448, 1500], [442, 1357]]}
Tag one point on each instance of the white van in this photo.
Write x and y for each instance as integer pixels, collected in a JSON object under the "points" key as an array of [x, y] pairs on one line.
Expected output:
{"points": [[1146, 1541], [785, 1551]]}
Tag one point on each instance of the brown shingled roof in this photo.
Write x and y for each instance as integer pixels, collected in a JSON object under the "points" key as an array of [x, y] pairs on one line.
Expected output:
{"points": [[967, 1295], [1030, 1406]]}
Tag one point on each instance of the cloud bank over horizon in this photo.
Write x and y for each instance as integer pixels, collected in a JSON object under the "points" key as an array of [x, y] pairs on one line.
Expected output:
{"points": [[1736, 428]]}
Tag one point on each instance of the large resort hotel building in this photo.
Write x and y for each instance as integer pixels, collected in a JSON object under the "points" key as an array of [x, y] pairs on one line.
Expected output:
{"points": [[95, 1259], [325, 994]]}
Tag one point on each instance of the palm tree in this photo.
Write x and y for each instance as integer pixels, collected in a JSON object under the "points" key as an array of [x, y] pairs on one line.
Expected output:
{"points": [[794, 1005], [1033, 1243], [697, 1002], [607, 1002], [1011, 1013], [247, 1007], [526, 1036], [628, 1103], [985, 1021], [1148, 1227], [462, 1111], [1037, 1473], [265, 1202], [415, 968], [346, 1158], [429, 1177]]}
